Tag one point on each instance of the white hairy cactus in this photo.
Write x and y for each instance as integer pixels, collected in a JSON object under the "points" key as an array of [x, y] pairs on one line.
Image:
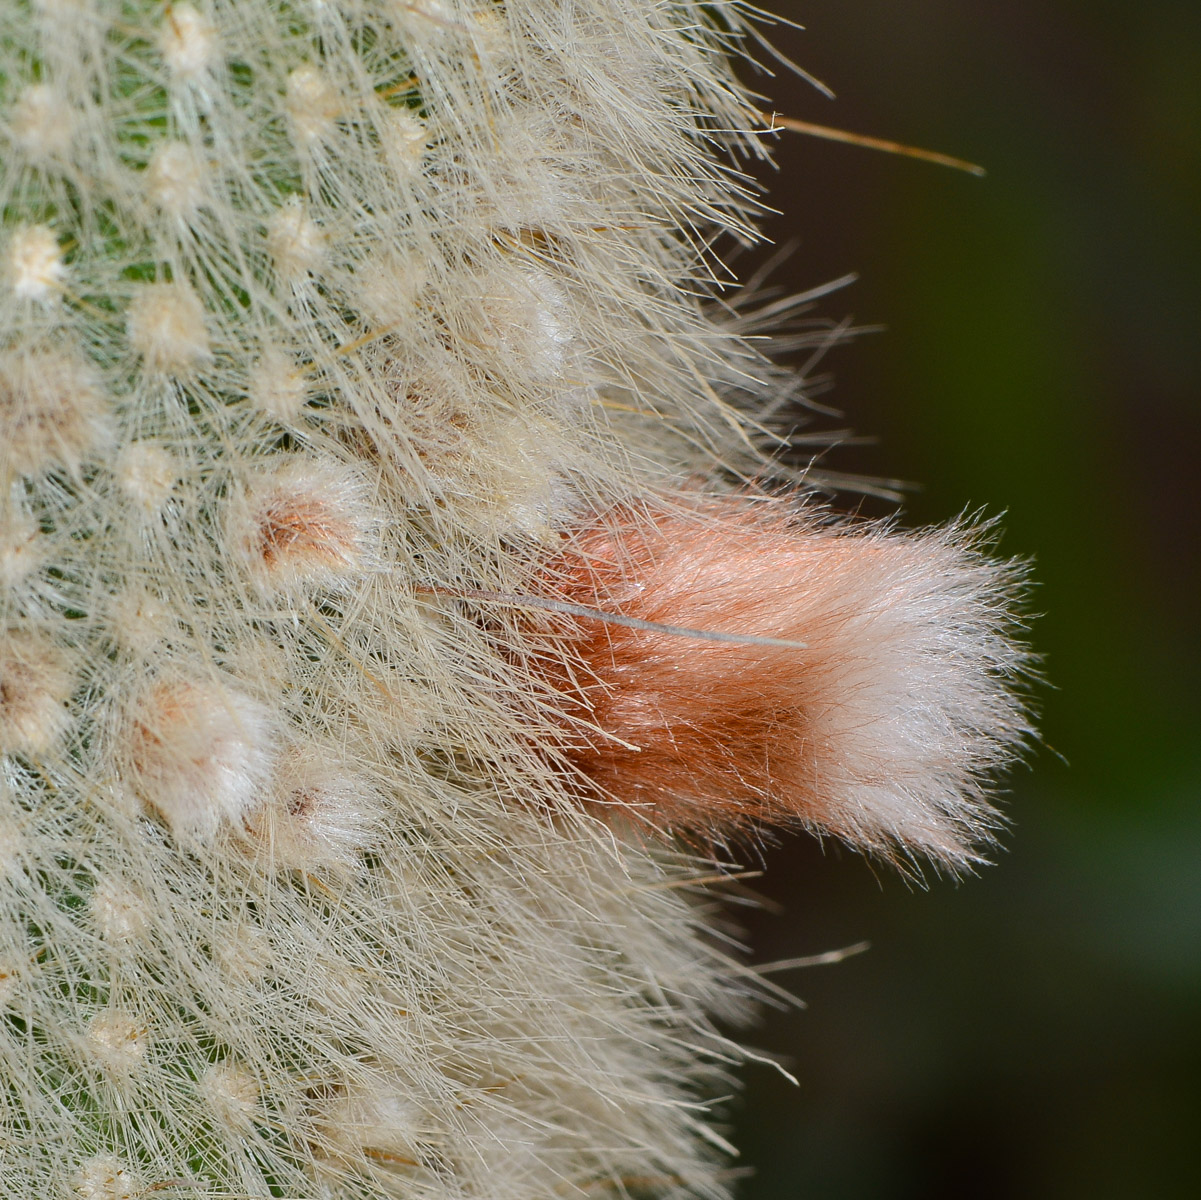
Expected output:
{"points": [[323, 324]]}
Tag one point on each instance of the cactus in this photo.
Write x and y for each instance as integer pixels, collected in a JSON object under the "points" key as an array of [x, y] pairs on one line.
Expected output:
{"points": [[358, 360]]}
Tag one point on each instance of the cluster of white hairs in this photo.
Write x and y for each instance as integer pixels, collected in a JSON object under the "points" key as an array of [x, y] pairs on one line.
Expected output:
{"points": [[319, 318]]}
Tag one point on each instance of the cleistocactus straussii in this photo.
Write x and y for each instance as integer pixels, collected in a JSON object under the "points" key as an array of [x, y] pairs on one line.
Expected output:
{"points": [[396, 622]]}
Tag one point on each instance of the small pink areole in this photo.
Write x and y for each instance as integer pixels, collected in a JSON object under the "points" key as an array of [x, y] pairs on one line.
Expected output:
{"points": [[882, 728]]}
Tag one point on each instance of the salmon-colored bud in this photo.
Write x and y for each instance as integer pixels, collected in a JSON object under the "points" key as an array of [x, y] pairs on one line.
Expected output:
{"points": [[881, 728]]}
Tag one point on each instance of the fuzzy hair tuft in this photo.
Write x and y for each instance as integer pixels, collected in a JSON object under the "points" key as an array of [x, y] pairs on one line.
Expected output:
{"points": [[320, 323]]}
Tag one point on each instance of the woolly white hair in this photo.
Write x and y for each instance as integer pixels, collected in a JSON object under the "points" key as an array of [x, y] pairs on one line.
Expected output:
{"points": [[315, 314]]}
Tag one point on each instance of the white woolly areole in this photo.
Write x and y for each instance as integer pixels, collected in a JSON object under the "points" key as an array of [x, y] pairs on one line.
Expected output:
{"points": [[146, 473], [35, 264], [35, 684], [10, 979], [188, 41], [313, 104], [532, 322], [118, 910], [199, 753], [321, 814], [53, 411], [167, 328], [175, 179], [11, 852], [294, 241], [118, 1040], [43, 122], [138, 620], [405, 138], [231, 1092], [21, 547], [106, 1177], [310, 521], [277, 385], [375, 1115]]}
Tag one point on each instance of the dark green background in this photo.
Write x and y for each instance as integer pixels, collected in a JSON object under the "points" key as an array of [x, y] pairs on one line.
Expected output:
{"points": [[1034, 1031]]}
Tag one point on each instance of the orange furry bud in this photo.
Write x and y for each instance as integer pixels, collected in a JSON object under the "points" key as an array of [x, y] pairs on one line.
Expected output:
{"points": [[881, 728]]}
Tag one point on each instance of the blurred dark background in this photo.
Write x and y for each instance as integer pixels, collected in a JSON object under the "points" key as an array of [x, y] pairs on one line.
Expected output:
{"points": [[1034, 1031]]}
